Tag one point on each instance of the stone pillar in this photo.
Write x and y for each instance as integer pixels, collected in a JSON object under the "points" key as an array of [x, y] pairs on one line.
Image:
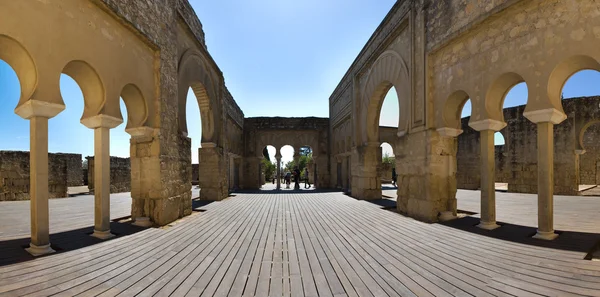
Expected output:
{"points": [[278, 157], [545, 142], [213, 176], [545, 120], [488, 181], [102, 125], [40, 217], [366, 184], [38, 112], [487, 128]]}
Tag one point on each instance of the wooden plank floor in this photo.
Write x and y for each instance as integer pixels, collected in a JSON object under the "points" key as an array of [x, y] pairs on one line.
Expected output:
{"points": [[304, 244], [571, 213]]}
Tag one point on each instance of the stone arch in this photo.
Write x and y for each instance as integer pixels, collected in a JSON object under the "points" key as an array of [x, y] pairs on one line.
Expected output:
{"points": [[17, 57], [494, 99], [562, 72], [581, 132], [453, 108], [194, 72], [137, 111], [92, 87], [387, 71]]}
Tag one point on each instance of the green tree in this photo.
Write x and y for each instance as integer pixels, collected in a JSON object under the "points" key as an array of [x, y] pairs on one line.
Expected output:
{"points": [[269, 169], [386, 159]]}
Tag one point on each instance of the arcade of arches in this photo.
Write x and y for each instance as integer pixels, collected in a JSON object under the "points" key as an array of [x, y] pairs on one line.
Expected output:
{"points": [[435, 61]]}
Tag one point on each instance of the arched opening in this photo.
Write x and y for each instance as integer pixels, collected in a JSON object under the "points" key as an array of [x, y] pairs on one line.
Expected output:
{"points": [[79, 140], [269, 168], [389, 116], [306, 167], [17, 137], [467, 154], [194, 134], [581, 101], [287, 159], [387, 171], [513, 103]]}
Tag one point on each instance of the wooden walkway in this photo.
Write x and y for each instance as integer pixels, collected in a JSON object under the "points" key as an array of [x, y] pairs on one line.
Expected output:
{"points": [[307, 244]]}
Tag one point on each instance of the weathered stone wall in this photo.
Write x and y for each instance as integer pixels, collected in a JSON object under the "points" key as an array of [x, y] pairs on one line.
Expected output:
{"points": [[516, 161], [195, 174], [64, 170], [589, 163], [120, 174], [278, 132]]}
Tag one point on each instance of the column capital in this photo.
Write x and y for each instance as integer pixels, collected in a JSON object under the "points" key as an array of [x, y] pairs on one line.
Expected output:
{"points": [[487, 124], [579, 152], [142, 131], [449, 132], [36, 108], [551, 115], [101, 121]]}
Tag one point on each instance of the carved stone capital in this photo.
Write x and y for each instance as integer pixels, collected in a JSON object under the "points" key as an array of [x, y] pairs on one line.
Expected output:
{"points": [[449, 132], [487, 124], [37, 108], [551, 115], [101, 121]]}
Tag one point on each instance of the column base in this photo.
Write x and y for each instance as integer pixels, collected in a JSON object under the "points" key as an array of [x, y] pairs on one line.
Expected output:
{"points": [[447, 216], [102, 234], [40, 250], [142, 222], [488, 225], [545, 235]]}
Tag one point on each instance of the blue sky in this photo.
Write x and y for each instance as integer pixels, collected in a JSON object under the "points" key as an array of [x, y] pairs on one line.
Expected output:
{"points": [[279, 58]]}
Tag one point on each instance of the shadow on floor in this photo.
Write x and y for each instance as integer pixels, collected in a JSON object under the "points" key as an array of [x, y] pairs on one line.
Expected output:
{"points": [[567, 240], [13, 251], [198, 204]]}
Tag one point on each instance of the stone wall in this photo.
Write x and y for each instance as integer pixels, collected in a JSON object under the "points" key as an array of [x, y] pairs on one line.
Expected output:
{"points": [[64, 170], [195, 174], [120, 174], [516, 161], [278, 132]]}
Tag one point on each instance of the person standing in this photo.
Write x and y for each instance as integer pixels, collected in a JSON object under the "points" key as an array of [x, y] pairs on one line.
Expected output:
{"points": [[296, 178], [394, 177], [306, 181]]}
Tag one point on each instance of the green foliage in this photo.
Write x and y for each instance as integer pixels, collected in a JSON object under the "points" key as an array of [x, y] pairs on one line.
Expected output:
{"points": [[387, 159], [305, 158], [269, 169]]}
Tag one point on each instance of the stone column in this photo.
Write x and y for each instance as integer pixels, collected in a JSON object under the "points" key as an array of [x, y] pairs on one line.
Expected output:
{"points": [[366, 183], [488, 180], [102, 125], [278, 158], [487, 128], [38, 160], [38, 113], [545, 142], [212, 175], [545, 120]]}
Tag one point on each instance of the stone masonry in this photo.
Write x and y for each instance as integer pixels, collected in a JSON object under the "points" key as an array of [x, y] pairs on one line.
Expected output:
{"points": [[516, 161], [120, 174], [64, 171]]}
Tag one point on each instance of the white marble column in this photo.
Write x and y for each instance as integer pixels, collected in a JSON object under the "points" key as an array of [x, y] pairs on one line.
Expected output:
{"points": [[102, 125]]}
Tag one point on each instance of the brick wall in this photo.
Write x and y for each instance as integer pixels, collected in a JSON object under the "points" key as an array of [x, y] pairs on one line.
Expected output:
{"points": [[64, 170]]}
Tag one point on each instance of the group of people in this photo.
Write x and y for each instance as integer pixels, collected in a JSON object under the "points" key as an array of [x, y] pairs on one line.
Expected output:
{"points": [[295, 175]]}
